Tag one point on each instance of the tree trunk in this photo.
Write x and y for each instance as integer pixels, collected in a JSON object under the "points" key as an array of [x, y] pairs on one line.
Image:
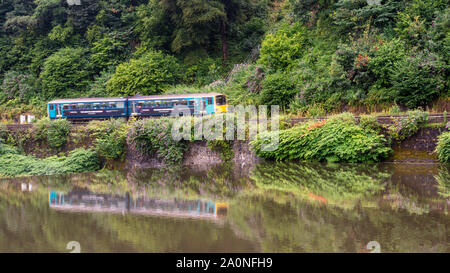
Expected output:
{"points": [[224, 40]]}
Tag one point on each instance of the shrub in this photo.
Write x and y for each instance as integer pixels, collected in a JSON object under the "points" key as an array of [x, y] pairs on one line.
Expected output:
{"points": [[385, 58], [79, 160], [65, 73], [281, 49], [110, 138], [17, 85], [97, 88], [443, 147], [107, 52], [153, 73], [338, 139], [402, 128], [368, 122], [54, 132], [418, 80], [277, 89], [153, 137], [223, 147], [6, 149]]}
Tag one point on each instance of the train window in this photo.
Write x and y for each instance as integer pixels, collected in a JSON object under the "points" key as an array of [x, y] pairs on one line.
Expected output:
{"points": [[191, 102], [183, 102], [96, 106], [119, 104], [80, 106], [88, 106], [65, 107], [221, 100], [104, 105], [210, 101], [73, 106], [52, 107]]}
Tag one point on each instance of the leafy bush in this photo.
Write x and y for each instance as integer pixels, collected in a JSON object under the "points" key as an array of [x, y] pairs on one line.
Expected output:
{"points": [[418, 80], [152, 73], [281, 49], [79, 160], [17, 85], [97, 88], [402, 128], [338, 139], [368, 122], [6, 149], [443, 147], [107, 52], [223, 147], [153, 137], [110, 138], [385, 58], [65, 73], [54, 132], [277, 89]]}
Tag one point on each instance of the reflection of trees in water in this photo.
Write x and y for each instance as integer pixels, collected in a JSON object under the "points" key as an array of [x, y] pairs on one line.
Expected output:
{"points": [[443, 179], [335, 181], [217, 180], [302, 226]]}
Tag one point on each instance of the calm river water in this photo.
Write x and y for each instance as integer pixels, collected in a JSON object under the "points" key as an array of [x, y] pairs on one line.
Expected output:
{"points": [[272, 207]]}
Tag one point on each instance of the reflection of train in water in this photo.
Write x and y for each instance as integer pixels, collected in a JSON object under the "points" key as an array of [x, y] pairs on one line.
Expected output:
{"points": [[92, 202]]}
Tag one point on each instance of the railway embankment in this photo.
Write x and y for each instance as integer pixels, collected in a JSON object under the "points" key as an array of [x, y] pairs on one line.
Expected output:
{"points": [[149, 143]]}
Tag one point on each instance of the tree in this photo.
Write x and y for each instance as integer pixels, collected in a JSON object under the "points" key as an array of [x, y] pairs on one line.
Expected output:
{"points": [[279, 50], [187, 25], [152, 73], [65, 73]]}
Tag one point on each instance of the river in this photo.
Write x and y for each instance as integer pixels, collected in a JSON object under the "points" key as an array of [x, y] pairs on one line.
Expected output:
{"points": [[270, 207]]}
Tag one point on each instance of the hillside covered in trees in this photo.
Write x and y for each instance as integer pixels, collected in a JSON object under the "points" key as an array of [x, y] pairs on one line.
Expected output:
{"points": [[309, 56]]}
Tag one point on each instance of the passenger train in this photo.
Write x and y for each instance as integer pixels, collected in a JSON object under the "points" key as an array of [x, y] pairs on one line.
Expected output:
{"points": [[138, 106]]}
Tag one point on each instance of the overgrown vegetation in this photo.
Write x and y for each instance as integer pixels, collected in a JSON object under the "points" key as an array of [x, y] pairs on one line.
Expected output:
{"points": [[153, 137], [404, 127], [109, 138], [338, 139], [307, 56], [443, 147], [15, 164], [55, 132]]}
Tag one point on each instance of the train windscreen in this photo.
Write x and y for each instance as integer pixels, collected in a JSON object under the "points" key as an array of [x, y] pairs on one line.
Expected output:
{"points": [[221, 100]]}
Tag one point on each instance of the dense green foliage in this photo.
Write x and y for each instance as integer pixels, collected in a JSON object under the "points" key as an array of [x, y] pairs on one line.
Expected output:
{"points": [[151, 74], [55, 132], [338, 139], [79, 160], [110, 138], [335, 53], [153, 137], [402, 128], [443, 147]]}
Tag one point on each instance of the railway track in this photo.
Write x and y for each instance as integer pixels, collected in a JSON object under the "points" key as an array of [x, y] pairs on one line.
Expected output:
{"points": [[432, 118]]}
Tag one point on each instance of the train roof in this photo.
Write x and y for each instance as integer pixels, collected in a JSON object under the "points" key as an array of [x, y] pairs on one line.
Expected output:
{"points": [[89, 100], [174, 96], [134, 98]]}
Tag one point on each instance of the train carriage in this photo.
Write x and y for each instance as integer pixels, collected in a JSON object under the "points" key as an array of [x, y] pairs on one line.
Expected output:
{"points": [[90, 108], [163, 105]]}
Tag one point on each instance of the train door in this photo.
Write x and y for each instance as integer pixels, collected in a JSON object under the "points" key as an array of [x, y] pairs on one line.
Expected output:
{"points": [[51, 111], [209, 105], [58, 110], [202, 106], [134, 108]]}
